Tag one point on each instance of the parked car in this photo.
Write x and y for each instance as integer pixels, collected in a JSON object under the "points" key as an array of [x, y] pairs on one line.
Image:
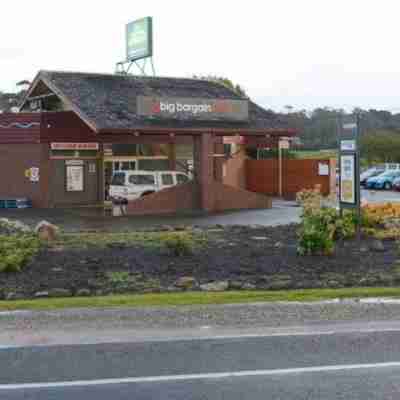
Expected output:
{"points": [[130, 185], [396, 184], [370, 173], [383, 181]]}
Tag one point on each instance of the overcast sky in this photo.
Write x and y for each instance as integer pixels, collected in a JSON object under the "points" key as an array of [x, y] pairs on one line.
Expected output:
{"points": [[304, 53]]}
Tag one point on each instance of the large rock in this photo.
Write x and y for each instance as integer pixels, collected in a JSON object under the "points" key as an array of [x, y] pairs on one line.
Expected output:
{"points": [[41, 295], [83, 292], [47, 231], [11, 296], [186, 282], [249, 286], [218, 286]]}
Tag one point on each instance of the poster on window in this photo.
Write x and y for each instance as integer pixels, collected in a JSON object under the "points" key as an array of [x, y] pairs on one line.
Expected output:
{"points": [[74, 178], [347, 179]]}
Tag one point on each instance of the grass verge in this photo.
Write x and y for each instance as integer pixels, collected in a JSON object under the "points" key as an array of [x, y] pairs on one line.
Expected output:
{"points": [[145, 239], [197, 298]]}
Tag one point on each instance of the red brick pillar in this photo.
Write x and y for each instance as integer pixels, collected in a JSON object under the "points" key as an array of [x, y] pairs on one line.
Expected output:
{"points": [[172, 156], [204, 169], [219, 160]]}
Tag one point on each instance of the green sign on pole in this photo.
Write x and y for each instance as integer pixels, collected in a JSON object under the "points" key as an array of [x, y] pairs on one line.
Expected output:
{"points": [[139, 39]]}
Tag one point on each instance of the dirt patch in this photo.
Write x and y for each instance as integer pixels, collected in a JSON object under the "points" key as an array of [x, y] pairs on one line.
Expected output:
{"points": [[246, 258]]}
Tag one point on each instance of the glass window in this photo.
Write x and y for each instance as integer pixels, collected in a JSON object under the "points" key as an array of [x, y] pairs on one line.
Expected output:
{"points": [[128, 165], [154, 165], [118, 179], [141, 179], [124, 150], [167, 179], [181, 179]]}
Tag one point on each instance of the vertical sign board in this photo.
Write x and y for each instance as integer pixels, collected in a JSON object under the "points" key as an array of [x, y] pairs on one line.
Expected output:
{"points": [[349, 164], [139, 39], [74, 175], [348, 179]]}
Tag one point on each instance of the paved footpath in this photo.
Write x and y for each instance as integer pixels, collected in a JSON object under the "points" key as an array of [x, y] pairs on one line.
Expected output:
{"points": [[147, 323]]}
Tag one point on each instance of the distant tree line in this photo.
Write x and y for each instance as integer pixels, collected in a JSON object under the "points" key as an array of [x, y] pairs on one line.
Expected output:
{"points": [[379, 131], [8, 101]]}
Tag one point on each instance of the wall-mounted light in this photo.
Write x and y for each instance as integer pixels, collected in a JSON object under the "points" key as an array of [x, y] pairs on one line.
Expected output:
{"points": [[136, 133]]}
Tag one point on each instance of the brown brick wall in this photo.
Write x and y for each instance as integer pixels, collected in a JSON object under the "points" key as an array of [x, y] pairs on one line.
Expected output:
{"points": [[186, 198], [168, 201], [15, 159], [235, 170], [262, 176]]}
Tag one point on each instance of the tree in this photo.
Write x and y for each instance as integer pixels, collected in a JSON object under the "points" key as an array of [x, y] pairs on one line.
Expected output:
{"points": [[381, 146], [224, 81], [9, 101]]}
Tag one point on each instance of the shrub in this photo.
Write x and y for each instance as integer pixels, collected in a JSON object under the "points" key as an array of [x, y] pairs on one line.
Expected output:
{"points": [[16, 251], [309, 199], [179, 244], [345, 226], [380, 213], [316, 235], [118, 277], [322, 225]]}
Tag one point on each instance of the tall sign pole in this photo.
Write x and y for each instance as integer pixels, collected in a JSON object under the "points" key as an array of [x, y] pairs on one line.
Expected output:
{"points": [[283, 144], [139, 46], [349, 162]]}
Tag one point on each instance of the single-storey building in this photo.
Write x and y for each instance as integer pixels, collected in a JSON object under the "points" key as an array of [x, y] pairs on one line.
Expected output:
{"points": [[75, 129]]}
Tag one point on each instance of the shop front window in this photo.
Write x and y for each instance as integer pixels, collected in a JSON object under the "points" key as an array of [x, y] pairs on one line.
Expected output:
{"points": [[118, 179]]}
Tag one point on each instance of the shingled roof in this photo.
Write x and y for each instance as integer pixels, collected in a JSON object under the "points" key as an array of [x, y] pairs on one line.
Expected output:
{"points": [[108, 102]]}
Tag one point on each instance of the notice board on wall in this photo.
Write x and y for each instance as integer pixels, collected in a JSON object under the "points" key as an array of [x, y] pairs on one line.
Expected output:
{"points": [[74, 177]]}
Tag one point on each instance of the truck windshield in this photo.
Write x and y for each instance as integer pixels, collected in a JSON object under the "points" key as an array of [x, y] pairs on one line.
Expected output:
{"points": [[118, 179]]}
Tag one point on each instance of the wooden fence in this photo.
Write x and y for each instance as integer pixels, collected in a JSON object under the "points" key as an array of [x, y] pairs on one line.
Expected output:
{"points": [[262, 176]]}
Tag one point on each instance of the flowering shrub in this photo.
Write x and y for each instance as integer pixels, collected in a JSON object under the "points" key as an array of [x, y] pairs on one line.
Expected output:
{"points": [[316, 235], [381, 213], [321, 225], [309, 199]]}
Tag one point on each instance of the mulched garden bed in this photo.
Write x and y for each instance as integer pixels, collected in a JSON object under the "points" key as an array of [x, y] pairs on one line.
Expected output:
{"points": [[234, 257]]}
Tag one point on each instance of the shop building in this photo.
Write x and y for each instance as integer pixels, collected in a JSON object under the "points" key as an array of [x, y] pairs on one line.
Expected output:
{"points": [[75, 129]]}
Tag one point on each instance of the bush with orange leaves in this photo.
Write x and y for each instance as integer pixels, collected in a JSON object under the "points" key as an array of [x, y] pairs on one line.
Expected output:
{"points": [[382, 220], [381, 213]]}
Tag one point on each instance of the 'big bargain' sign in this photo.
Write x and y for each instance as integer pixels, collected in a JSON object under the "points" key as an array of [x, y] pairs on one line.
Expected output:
{"points": [[193, 108]]}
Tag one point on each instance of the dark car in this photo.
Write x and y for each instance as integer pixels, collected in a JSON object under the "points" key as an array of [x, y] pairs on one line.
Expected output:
{"points": [[370, 173]]}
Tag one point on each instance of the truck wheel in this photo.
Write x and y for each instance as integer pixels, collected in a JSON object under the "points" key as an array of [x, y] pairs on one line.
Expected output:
{"points": [[146, 193]]}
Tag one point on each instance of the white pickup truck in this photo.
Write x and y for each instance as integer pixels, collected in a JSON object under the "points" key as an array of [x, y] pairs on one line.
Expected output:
{"points": [[130, 185]]}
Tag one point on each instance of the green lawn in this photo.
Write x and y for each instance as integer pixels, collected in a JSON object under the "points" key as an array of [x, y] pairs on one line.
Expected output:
{"points": [[317, 154], [199, 298]]}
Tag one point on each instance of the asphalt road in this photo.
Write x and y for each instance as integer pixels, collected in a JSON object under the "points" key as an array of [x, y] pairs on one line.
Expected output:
{"points": [[359, 362]]}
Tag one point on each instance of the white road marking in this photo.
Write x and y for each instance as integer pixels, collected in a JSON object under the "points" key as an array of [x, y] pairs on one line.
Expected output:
{"points": [[201, 376]]}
